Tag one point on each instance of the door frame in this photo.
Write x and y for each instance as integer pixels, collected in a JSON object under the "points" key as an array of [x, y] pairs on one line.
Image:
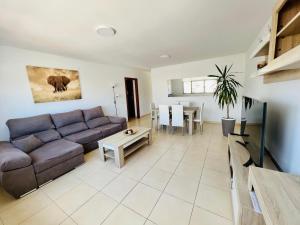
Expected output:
{"points": [[136, 92]]}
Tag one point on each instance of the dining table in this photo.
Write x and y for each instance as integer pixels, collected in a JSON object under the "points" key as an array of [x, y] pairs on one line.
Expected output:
{"points": [[189, 111]]}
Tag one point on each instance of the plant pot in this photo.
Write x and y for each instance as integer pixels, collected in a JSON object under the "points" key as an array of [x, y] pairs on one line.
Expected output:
{"points": [[228, 126]]}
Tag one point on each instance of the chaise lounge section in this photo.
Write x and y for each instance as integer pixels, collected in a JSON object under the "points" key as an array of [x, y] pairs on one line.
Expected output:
{"points": [[43, 147]]}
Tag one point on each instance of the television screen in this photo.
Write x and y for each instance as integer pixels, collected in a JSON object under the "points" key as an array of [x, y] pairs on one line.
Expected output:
{"points": [[253, 128]]}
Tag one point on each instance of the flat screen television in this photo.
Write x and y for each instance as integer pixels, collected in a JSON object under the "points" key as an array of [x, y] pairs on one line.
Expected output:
{"points": [[253, 123]]}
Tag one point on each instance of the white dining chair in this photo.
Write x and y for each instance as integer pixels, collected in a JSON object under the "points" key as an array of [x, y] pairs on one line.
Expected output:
{"points": [[178, 117], [199, 118], [164, 115]]}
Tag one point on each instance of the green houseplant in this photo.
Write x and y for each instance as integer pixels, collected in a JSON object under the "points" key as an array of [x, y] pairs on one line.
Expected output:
{"points": [[226, 95]]}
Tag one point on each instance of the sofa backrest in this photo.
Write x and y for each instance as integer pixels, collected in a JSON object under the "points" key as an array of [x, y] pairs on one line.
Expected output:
{"points": [[41, 126], [94, 117], [69, 122]]}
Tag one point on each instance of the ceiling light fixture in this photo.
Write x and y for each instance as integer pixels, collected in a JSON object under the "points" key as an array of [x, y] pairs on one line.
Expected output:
{"points": [[165, 56], [106, 31]]}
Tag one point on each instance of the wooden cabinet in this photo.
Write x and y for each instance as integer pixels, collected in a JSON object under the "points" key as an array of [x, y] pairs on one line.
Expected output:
{"points": [[284, 45]]}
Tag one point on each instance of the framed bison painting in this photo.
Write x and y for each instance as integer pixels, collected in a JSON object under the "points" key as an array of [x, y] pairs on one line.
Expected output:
{"points": [[53, 85]]}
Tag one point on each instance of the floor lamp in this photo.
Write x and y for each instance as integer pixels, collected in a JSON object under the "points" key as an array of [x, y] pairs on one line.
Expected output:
{"points": [[115, 98]]}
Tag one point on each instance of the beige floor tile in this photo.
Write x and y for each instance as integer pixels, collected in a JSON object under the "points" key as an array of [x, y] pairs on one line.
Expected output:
{"points": [[68, 221], [119, 188], [221, 166], [203, 217], [42, 217], [142, 199], [157, 178], [174, 154], [88, 167], [99, 179], [171, 211], [215, 179], [25, 208], [75, 198], [136, 170], [189, 170], [215, 200], [148, 222], [167, 165], [124, 216], [95, 210], [183, 187], [6, 200], [61, 185]]}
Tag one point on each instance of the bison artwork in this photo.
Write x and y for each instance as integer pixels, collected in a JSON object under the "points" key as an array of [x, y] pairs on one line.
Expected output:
{"points": [[59, 83]]}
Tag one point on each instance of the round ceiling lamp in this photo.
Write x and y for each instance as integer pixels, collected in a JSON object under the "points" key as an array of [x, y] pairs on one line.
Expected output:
{"points": [[165, 56], [106, 31]]}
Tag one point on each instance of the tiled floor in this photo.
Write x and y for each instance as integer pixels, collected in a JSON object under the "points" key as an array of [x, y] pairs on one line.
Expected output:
{"points": [[178, 180]]}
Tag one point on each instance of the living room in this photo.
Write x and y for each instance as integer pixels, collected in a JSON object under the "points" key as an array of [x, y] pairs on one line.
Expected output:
{"points": [[115, 113]]}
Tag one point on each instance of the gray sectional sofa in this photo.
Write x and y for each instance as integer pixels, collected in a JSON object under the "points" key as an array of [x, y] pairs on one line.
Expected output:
{"points": [[44, 147]]}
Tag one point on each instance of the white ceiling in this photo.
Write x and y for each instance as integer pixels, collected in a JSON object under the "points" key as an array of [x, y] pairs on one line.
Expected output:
{"points": [[188, 30]]}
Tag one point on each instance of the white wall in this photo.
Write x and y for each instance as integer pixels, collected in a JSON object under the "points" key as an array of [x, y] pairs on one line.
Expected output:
{"points": [[96, 85], [283, 117], [161, 75]]}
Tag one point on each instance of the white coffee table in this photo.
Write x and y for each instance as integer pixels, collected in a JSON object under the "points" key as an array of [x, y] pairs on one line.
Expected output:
{"points": [[120, 145]]}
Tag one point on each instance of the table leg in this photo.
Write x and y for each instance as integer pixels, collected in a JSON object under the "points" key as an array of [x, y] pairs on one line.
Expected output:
{"points": [[101, 149], [119, 157], [191, 123]]}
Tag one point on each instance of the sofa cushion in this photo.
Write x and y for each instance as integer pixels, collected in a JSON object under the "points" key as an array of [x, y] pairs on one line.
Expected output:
{"points": [[64, 119], [93, 113], [48, 135], [54, 153], [109, 129], [97, 122], [84, 137], [28, 144], [30, 125], [72, 128], [12, 158]]}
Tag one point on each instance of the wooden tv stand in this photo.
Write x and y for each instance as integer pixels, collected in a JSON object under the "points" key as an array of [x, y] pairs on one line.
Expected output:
{"points": [[243, 211], [278, 194]]}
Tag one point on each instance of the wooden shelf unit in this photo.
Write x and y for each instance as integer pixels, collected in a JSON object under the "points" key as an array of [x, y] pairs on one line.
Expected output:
{"points": [[284, 46]]}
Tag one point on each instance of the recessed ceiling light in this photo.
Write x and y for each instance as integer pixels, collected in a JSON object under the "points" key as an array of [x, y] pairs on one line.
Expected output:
{"points": [[165, 56], [106, 31]]}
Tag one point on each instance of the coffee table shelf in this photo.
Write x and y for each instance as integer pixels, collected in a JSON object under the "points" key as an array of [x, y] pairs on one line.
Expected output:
{"points": [[120, 145]]}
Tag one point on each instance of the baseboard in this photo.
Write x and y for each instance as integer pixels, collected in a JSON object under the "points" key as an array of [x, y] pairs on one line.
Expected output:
{"points": [[273, 160]]}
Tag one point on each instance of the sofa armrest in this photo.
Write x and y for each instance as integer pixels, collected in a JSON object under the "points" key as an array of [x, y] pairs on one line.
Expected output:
{"points": [[119, 120], [12, 158]]}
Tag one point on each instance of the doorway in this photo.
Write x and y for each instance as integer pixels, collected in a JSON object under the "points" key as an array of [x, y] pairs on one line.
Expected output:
{"points": [[132, 97]]}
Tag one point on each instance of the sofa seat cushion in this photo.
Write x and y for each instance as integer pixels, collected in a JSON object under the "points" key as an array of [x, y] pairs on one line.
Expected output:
{"points": [[12, 158], [54, 153], [84, 137], [109, 129]]}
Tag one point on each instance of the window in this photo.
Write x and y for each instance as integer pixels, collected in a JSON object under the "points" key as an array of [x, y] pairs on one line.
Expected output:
{"points": [[187, 87], [210, 86], [199, 86]]}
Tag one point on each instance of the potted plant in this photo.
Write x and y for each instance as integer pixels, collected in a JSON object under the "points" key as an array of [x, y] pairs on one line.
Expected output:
{"points": [[226, 95]]}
